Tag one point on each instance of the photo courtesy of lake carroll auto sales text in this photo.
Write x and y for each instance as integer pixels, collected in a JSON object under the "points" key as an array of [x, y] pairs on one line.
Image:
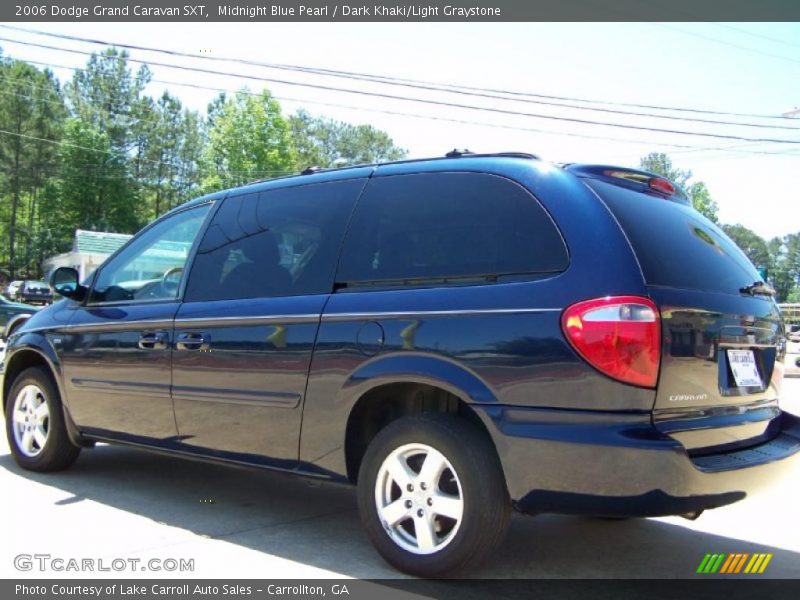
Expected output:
{"points": [[183, 589], [471, 299]]}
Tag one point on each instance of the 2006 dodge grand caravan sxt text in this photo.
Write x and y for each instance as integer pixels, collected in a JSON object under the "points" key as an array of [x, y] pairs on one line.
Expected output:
{"points": [[457, 337]]}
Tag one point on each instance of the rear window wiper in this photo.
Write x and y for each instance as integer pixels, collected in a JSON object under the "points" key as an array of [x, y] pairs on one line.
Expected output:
{"points": [[758, 287]]}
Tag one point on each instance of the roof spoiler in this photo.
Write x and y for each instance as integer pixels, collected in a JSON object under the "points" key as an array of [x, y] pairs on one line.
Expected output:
{"points": [[635, 179]]}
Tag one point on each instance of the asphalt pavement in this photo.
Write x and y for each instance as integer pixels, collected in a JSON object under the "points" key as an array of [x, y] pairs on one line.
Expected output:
{"points": [[119, 503]]}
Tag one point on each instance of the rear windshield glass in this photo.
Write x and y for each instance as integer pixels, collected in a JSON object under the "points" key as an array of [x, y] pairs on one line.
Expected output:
{"points": [[677, 246]]}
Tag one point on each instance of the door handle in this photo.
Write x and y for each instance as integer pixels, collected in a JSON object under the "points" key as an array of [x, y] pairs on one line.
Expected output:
{"points": [[153, 340], [192, 341]]}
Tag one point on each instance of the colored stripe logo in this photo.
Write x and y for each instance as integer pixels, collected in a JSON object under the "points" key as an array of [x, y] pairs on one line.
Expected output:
{"points": [[737, 562]]}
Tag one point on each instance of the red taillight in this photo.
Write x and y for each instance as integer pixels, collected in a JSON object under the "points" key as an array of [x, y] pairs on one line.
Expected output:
{"points": [[619, 336], [661, 185]]}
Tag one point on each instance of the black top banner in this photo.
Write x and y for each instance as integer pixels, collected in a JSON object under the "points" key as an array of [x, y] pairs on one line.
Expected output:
{"points": [[397, 11]]}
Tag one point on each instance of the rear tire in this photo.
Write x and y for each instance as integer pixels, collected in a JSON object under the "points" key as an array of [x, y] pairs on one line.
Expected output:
{"points": [[432, 495], [37, 434]]}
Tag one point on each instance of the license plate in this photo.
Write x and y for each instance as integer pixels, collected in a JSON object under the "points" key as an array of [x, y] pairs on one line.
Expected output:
{"points": [[743, 365]]}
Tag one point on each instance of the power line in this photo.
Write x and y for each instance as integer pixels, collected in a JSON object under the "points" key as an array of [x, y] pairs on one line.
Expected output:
{"points": [[690, 16], [386, 78], [725, 43], [757, 35], [423, 100], [111, 152], [439, 118], [415, 84]]}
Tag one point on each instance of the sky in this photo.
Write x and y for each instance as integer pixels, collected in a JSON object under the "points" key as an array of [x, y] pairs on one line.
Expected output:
{"points": [[747, 68]]}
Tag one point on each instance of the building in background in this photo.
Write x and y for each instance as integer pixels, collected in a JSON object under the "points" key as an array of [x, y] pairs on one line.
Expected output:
{"points": [[89, 250], [791, 313]]}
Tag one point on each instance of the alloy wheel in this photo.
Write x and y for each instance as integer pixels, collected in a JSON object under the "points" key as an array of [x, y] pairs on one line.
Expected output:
{"points": [[31, 421], [419, 498]]}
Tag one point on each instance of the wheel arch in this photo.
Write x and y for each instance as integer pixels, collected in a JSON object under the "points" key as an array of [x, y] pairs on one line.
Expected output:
{"points": [[14, 322], [387, 389], [31, 350], [25, 357]]}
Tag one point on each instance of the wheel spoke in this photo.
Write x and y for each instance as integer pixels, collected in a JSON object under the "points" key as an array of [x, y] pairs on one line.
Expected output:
{"points": [[40, 435], [27, 441], [41, 412], [425, 532], [19, 416], [395, 513], [30, 397], [432, 468], [449, 506], [400, 472]]}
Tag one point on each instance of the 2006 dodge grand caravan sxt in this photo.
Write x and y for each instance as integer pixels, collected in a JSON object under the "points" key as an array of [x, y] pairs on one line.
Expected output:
{"points": [[457, 337]]}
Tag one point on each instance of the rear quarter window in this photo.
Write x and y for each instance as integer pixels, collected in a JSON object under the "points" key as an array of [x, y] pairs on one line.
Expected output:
{"points": [[448, 227], [677, 246]]}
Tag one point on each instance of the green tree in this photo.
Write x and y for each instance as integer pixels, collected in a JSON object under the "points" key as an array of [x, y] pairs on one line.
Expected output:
{"points": [[31, 111], [248, 138], [169, 153], [791, 263], [108, 96], [785, 267], [778, 276], [754, 246], [326, 142], [661, 164], [94, 190]]}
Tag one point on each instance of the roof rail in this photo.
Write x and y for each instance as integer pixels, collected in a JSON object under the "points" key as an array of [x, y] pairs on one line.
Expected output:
{"points": [[311, 170], [517, 155], [456, 153]]}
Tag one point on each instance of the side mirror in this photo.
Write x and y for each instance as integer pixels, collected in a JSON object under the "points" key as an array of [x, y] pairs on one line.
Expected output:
{"points": [[64, 282]]}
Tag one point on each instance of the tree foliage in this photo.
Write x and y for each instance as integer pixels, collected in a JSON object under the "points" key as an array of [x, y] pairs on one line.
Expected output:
{"points": [[95, 187], [784, 266], [31, 114], [248, 138], [751, 244], [778, 259], [100, 153], [661, 164], [325, 142]]}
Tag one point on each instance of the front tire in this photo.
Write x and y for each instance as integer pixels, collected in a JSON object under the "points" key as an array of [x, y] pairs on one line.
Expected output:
{"points": [[432, 495], [35, 425]]}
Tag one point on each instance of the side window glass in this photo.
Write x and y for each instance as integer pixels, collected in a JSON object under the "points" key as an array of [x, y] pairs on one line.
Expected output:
{"points": [[448, 227], [273, 243], [151, 266]]}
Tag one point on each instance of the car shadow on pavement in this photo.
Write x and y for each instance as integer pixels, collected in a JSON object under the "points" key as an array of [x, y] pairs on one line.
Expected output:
{"points": [[318, 524]]}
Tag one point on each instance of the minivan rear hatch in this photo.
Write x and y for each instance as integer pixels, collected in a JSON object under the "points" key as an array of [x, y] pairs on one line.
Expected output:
{"points": [[720, 363]]}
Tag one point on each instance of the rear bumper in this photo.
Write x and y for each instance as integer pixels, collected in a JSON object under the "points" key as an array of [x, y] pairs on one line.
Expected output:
{"points": [[618, 464]]}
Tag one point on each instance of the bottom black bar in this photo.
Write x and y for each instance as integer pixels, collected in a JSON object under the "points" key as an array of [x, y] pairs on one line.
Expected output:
{"points": [[718, 588]]}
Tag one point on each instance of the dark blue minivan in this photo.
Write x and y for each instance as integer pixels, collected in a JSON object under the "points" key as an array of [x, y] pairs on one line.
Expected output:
{"points": [[458, 337]]}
